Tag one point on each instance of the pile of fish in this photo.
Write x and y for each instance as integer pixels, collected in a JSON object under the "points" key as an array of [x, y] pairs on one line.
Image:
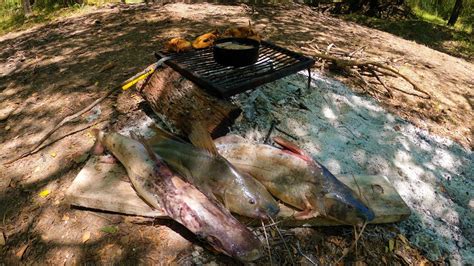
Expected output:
{"points": [[198, 189]]}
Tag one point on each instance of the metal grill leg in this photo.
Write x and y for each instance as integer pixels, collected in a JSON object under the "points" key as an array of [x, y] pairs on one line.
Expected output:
{"points": [[309, 78]]}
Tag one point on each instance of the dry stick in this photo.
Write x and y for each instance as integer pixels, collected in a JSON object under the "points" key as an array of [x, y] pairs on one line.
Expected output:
{"points": [[284, 241], [371, 64], [304, 255], [344, 254], [61, 123], [268, 244], [381, 82]]}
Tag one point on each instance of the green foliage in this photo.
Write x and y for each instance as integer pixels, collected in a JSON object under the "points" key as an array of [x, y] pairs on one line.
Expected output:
{"points": [[438, 12]]}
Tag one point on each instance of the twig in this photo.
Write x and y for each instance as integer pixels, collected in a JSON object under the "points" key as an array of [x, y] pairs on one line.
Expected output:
{"points": [[61, 123], [267, 137], [284, 241], [268, 244], [390, 95], [287, 134], [304, 255], [344, 63], [350, 55], [344, 254]]}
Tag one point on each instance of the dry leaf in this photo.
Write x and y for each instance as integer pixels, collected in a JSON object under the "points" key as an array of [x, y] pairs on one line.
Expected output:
{"points": [[44, 193], [391, 245], [403, 239], [53, 154], [109, 229], [2, 239], [21, 251], [86, 236]]}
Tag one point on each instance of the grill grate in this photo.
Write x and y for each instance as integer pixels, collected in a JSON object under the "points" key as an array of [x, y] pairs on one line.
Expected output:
{"points": [[274, 62]]}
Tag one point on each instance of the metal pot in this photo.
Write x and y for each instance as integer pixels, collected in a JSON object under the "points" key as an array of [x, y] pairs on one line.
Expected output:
{"points": [[236, 57]]}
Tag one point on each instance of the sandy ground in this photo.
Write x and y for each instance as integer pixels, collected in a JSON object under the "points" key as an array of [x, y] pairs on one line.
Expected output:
{"points": [[50, 71]]}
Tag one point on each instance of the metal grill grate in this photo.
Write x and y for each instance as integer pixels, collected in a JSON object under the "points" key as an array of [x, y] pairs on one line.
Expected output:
{"points": [[274, 62]]}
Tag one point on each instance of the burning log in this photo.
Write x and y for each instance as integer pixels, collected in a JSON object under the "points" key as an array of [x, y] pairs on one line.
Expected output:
{"points": [[194, 112]]}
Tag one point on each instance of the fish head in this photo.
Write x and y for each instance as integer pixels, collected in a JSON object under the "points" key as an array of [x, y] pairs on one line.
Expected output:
{"points": [[346, 208], [250, 199]]}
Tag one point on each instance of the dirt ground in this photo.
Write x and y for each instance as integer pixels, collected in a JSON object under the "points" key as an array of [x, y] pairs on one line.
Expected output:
{"points": [[50, 71]]}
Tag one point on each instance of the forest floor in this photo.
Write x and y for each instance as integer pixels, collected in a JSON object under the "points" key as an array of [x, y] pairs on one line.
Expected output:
{"points": [[51, 70]]}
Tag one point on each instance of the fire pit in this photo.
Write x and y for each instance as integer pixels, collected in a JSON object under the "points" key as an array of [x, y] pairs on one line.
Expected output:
{"points": [[273, 63]]}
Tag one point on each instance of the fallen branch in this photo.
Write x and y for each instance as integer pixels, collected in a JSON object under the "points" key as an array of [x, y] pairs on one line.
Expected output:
{"points": [[372, 65], [60, 124], [124, 85]]}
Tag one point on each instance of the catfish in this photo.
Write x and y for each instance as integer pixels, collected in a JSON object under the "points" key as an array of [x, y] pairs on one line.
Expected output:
{"points": [[162, 189], [215, 176], [297, 179]]}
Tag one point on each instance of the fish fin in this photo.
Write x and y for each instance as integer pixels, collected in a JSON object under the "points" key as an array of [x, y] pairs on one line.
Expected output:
{"points": [[161, 134], [292, 147], [310, 210], [201, 138], [98, 147], [145, 144]]}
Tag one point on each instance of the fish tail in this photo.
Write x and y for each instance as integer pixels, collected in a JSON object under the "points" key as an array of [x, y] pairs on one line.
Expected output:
{"points": [[201, 138]]}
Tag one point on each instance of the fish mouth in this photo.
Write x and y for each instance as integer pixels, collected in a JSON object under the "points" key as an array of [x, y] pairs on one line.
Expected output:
{"points": [[368, 215]]}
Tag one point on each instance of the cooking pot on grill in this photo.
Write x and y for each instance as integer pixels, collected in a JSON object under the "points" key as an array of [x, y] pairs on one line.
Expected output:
{"points": [[236, 51]]}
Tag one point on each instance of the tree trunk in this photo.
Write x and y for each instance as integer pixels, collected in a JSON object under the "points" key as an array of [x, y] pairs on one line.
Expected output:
{"points": [[455, 14], [191, 110], [26, 6], [355, 5], [373, 8]]}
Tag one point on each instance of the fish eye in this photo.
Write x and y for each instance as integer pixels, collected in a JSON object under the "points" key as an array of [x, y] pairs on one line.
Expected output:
{"points": [[252, 201]]}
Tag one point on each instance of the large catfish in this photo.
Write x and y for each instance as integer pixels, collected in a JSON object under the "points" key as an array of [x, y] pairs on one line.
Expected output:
{"points": [[214, 175], [184, 203], [294, 177]]}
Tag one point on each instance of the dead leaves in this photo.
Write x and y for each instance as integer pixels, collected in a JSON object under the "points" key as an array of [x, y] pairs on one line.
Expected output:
{"points": [[86, 236], [21, 251], [109, 229], [2, 239]]}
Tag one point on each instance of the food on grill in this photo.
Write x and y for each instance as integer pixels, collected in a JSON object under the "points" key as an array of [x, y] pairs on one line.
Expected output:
{"points": [[243, 32], [181, 201], [294, 177], [178, 45], [215, 176], [205, 40], [234, 46]]}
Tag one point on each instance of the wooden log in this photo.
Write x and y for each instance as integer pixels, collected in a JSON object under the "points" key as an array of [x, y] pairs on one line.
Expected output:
{"points": [[106, 187], [187, 107]]}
